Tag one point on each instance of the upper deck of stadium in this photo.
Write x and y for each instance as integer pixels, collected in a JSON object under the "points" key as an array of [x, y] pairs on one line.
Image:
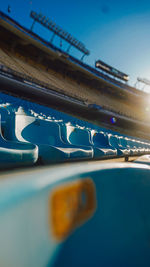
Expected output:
{"points": [[31, 59], [33, 39]]}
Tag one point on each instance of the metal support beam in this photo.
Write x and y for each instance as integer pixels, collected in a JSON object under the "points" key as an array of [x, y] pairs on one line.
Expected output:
{"points": [[32, 26], [52, 38], [82, 57], [60, 42], [68, 48]]}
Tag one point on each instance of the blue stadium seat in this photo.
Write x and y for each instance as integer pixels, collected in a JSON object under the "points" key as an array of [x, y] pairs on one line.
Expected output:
{"points": [[114, 141], [51, 139], [147, 146], [101, 145], [4, 113], [46, 135], [15, 154], [132, 146], [123, 143], [75, 136], [140, 147], [76, 215]]}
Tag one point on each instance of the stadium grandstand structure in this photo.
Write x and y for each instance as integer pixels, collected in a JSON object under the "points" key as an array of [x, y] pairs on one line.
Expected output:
{"points": [[29, 59], [75, 146]]}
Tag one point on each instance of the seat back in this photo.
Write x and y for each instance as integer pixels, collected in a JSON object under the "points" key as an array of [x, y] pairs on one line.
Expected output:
{"points": [[1, 131], [131, 143], [123, 142], [30, 129], [147, 145], [143, 145], [138, 144], [42, 132], [16, 123], [114, 141], [4, 114], [99, 139], [75, 136]]}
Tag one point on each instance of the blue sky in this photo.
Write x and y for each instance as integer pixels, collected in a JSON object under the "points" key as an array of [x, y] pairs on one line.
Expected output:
{"points": [[117, 32]]}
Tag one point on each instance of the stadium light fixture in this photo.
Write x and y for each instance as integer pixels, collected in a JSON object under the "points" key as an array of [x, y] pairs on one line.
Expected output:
{"points": [[112, 71], [144, 80], [59, 31]]}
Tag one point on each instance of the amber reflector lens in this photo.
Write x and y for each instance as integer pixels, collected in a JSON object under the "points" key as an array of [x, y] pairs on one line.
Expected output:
{"points": [[71, 205]]}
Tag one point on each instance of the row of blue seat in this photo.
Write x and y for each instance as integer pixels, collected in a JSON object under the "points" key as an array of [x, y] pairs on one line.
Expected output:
{"points": [[29, 139]]}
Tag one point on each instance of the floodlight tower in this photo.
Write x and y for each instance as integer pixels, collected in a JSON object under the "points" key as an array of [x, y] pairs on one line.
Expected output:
{"points": [[143, 81], [57, 30]]}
